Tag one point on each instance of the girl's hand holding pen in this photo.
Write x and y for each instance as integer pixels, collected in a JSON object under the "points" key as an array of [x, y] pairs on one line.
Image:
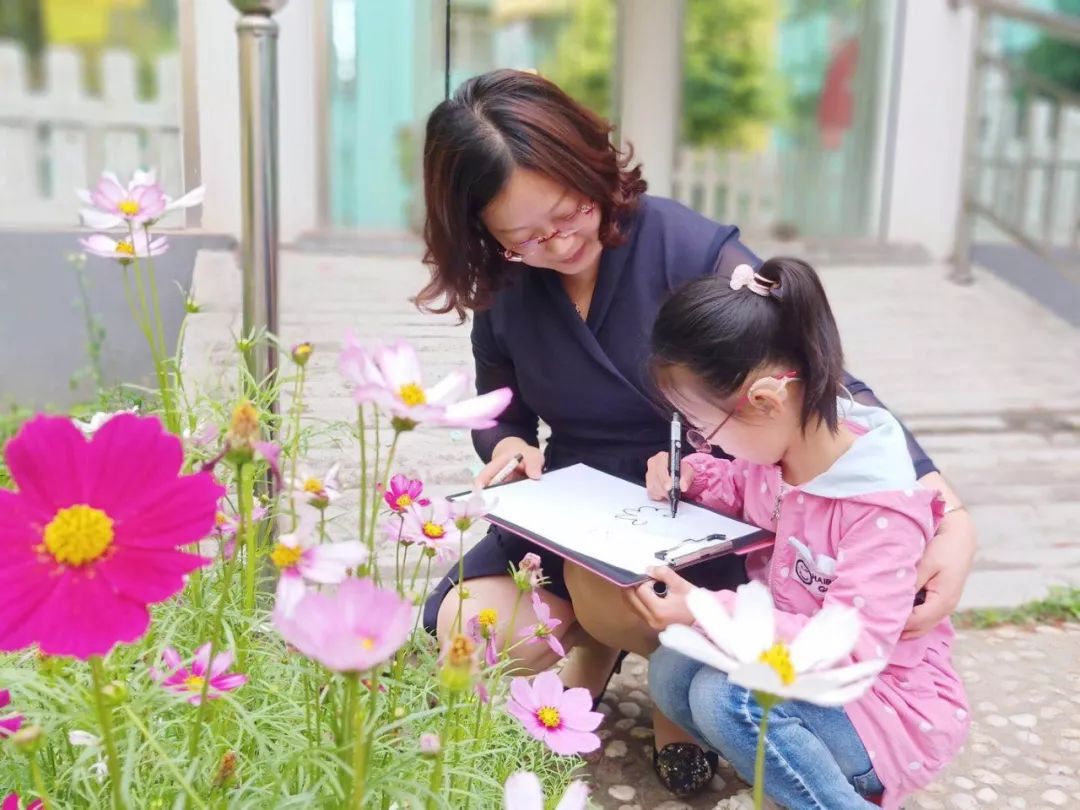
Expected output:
{"points": [[658, 477], [660, 611]]}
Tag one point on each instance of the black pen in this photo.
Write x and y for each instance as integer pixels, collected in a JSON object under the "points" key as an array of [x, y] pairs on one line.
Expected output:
{"points": [[675, 457]]}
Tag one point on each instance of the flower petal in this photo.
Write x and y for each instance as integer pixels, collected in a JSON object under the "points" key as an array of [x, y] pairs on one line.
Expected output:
{"points": [[713, 618], [522, 791], [476, 413], [522, 692], [566, 741], [694, 645], [828, 637], [46, 460], [449, 388], [753, 622], [548, 689], [576, 796]]}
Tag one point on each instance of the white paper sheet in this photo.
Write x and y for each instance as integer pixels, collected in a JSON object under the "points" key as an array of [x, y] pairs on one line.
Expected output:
{"points": [[598, 515]]}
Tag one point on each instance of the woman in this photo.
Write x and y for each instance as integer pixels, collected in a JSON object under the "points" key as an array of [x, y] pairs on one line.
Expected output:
{"points": [[540, 226]]}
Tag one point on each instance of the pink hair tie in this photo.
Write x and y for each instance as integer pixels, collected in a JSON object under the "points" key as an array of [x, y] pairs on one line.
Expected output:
{"points": [[744, 276]]}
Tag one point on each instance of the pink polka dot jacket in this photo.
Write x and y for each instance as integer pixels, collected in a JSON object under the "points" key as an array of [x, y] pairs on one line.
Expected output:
{"points": [[853, 536]]}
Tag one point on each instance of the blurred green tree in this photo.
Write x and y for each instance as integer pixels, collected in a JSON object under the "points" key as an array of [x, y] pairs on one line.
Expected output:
{"points": [[1055, 59]]}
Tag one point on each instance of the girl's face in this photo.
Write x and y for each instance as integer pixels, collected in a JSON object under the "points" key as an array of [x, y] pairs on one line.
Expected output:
{"points": [[759, 431], [546, 224]]}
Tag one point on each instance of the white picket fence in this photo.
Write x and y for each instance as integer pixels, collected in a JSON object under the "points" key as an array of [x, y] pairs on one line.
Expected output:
{"points": [[59, 139], [740, 187]]}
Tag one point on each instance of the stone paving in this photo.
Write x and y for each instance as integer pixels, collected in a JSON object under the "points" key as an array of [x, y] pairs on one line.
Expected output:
{"points": [[983, 375], [1023, 751]]}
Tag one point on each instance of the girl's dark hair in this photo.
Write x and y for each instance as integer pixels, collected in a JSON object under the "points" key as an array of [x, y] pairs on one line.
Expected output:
{"points": [[722, 336], [493, 123]]}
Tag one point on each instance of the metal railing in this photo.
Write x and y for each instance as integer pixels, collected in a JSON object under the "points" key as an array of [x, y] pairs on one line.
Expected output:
{"points": [[1021, 170]]}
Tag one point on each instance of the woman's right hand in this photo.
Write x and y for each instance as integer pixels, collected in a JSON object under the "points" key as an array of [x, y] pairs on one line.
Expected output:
{"points": [[531, 465], [658, 477]]}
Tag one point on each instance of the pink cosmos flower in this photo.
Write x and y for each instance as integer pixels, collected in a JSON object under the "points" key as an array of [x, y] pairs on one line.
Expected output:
{"points": [[403, 492], [226, 526], [141, 202], [430, 744], [112, 204], [563, 720], [319, 491], [9, 723], [299, 557], [432, 526], [466, 511], [481, 629], [190, 681], [126, 249], [357, 628], [390, 377], [542, 630], [93, 534], [523, 791], [12, 803]]}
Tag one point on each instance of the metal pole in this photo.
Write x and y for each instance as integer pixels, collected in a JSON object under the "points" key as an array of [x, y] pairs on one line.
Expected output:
{"points": [[969, 172], [257, 34]]}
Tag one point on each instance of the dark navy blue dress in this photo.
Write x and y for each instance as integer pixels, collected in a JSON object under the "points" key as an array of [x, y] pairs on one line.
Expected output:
{"points": [[588, 380]]}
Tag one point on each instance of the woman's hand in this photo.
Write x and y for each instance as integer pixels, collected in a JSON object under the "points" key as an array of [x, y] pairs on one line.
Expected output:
{"points": [[660, 611], [945, 565], [531, 465], [658, 476]]}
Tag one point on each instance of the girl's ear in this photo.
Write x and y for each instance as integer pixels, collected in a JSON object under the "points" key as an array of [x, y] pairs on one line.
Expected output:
{"points": [[768, 394]]}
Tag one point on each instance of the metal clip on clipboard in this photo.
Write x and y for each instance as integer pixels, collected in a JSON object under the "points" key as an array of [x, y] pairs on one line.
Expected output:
{"points": [[699, 548]]}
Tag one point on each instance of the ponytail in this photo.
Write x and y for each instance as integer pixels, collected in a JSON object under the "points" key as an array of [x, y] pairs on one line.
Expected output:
{"points": [[809, 333]]}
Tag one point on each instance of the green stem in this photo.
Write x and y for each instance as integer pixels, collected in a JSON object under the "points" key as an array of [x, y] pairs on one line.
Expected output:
{"points": [[460, 582], [105, 720], [437, 772], [165, 758], [364, 482], [39, 783], [359, 749], [767, 702], [385, 481], [513, 618], [247, 505], [294, 408]]}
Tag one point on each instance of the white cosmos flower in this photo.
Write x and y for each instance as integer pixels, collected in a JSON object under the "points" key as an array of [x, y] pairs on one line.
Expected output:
{"points": [[523, 792], [90, 427], [744, 645]]}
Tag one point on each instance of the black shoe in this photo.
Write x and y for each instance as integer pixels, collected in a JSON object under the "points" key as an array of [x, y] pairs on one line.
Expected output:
{"points": [[684, 769], [617, 668]]}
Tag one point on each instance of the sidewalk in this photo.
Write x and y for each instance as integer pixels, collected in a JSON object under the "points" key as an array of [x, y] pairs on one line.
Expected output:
{"points": [[984, 376]]}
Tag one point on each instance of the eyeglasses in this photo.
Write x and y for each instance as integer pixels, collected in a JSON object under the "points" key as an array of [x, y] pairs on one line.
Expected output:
{"points": [[779, 382], [569, 226]]}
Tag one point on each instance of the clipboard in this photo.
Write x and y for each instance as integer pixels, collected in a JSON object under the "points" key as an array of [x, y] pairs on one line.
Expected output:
{"points": [[611, 526]]}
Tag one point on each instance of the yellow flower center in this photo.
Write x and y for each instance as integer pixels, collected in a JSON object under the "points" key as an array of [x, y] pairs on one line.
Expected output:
{"points": [[125, 248], [245, 422], [78, 534], [549, 716], [284, 556], [367, 642], [194, 683], [313, 485], [403, 502], [487, 617], [128, 207], [433, 530], [412, 394], [779, 658], [220, 519]]}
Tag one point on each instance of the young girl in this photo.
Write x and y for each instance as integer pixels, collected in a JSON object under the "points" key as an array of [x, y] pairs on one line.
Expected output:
{"points": [[753, 362]]}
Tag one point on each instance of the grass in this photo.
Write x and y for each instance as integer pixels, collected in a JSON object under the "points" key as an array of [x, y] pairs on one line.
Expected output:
{"points": [[1060, 606]]}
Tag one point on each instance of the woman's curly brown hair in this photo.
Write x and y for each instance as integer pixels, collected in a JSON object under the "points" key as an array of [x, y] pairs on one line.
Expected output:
{"points": [[494, 123]]}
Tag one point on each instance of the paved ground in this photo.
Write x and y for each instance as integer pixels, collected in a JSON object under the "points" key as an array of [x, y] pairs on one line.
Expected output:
{"points": [[1023, 751]]}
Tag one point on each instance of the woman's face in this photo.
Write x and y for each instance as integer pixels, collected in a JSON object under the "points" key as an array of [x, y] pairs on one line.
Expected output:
{"points": [[532, 206]]}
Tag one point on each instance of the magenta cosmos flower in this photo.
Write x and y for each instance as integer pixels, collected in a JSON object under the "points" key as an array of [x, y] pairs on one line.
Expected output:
{"points": [[390, 377], [93, 534], [11, 802], [189, 681], [358, 627], [403, 492], [563, 720], [9, 723]]}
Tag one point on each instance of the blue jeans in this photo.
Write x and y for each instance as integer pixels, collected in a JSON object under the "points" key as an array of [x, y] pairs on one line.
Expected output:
{"points": [[813, 757]]}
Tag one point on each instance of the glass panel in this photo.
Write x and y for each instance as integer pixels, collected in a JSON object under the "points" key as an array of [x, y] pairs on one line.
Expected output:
{"points": [[114, 62], [779, 114], [387, 73]]}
